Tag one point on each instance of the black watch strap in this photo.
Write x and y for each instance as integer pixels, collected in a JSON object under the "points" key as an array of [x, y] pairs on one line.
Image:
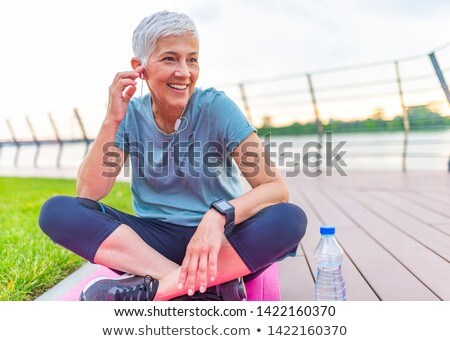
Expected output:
{"points": [[225, 208]]}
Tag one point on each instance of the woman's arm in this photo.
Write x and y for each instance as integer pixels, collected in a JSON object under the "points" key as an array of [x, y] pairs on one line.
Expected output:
{"points": [[96, 177], [268, 185], [97, 173]]}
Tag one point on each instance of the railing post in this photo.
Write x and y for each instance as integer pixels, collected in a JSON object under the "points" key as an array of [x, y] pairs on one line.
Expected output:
{"points": [[440, 76], [80, 122], [316, 113], [245, 101], [405, 118], [13, 135], [38, 144], [60, 142]]}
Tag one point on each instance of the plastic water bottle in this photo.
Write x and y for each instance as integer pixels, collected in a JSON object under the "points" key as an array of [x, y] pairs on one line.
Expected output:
{"points": [[330, 284]]}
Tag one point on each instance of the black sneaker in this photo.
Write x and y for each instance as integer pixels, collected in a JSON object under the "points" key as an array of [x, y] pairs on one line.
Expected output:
{"points": [[124, 288], [229, 291]]}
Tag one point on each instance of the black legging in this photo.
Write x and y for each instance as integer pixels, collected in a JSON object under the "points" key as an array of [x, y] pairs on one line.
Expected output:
{"points": [[81, 225]]}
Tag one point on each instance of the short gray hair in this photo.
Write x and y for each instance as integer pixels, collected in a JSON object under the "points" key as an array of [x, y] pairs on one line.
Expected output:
{"points": [[159, 25]]}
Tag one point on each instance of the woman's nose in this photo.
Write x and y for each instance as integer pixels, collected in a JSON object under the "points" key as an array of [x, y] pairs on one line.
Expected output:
{"points": [[182, 71]]}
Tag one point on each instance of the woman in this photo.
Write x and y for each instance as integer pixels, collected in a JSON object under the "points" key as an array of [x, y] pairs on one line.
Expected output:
{"points": [[195, 234]]}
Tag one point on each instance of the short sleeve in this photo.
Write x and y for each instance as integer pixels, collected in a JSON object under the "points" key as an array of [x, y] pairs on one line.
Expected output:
{"points": [[228, 120], [121, 140]]}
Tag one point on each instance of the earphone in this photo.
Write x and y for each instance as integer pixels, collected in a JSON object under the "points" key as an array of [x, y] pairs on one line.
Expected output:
{"points": [[177, 124]]}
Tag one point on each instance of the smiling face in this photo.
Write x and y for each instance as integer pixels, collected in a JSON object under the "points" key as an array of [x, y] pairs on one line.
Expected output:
{"points": [[172, 71]]}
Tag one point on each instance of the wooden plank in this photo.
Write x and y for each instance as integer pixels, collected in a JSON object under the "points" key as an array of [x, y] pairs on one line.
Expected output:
{"points": [[425, 234], [445, 227], [388, 278], [385, 274], [322, 205], [419, 212], [296, 281], [439, 197], [428, 267], [357, 287], [428, 203], [420, 182]]}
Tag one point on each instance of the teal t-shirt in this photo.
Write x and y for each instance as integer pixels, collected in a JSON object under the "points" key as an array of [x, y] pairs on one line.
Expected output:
{"points": [[175, 177]]}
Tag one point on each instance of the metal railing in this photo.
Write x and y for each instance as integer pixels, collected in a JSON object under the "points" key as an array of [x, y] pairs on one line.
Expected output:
{"points": [[315, 96], [38, 143], [308, 102]]}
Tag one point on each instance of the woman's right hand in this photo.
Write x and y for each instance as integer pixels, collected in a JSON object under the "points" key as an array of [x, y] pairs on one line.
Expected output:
{"points": [[120, 93]]}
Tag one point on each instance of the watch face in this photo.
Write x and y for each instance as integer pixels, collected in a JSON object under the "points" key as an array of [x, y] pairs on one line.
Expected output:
{"points": [[224, 206]]}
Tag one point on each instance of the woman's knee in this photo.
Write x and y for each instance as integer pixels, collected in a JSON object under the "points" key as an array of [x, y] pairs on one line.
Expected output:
{"points": [[292, 221], [54, 213], [270, 236], [78, 224]]}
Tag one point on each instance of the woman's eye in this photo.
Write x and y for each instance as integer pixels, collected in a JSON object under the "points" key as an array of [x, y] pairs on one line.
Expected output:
{"points": [[170, 59], [193, 60]]}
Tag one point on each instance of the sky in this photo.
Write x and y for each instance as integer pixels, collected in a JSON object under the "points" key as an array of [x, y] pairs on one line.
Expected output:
{"points": [[57, 55]]}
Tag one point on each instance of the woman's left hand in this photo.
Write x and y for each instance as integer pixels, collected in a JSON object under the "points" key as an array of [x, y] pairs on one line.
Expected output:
{"points": [[202, 253]]}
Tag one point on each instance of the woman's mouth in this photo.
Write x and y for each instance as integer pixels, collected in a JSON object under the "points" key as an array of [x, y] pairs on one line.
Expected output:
{"points": [[178, 86]]}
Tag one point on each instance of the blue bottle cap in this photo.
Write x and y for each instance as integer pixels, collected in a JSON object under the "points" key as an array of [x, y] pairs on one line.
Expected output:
{"points": [[327, 230]]}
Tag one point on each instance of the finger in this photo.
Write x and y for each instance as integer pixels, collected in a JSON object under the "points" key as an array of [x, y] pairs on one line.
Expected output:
{"points": [[129, 92], [120, 86], [192, 274], [212, 263], [140, 70], [183, 272], [123, 75], [203, 272]]}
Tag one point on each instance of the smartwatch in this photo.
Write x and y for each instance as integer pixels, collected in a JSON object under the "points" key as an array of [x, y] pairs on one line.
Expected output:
{"points": [[226, 209]]}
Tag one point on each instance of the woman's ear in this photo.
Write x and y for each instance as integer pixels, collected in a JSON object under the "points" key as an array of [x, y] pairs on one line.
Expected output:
{"points": [[135, 62]]}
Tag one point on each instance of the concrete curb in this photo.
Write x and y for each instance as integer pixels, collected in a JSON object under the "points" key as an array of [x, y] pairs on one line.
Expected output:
{"points": [[69, 282]]}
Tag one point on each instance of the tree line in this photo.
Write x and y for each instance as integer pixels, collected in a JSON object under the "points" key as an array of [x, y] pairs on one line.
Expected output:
{"points": [[420, 118]]}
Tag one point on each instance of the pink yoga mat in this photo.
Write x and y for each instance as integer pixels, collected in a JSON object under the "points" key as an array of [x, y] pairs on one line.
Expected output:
{"points": [[266, 287]]}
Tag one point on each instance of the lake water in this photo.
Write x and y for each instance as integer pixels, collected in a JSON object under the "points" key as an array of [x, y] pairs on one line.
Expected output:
{"points": [[363, 151], [383, 151]]}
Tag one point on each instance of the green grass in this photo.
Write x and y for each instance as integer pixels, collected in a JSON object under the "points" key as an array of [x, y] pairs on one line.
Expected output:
{"points": [[30, 263]]}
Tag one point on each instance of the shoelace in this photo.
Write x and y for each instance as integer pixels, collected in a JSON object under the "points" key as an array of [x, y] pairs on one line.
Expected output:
{"points": [[142, 292]]}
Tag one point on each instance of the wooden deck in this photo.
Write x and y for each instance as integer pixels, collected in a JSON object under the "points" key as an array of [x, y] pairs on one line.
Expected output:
{"points": [[394, 229]]}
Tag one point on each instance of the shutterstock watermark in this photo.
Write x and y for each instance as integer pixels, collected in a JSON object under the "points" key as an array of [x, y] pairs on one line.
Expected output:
{"points": [[313, 159], [190, 157]]}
